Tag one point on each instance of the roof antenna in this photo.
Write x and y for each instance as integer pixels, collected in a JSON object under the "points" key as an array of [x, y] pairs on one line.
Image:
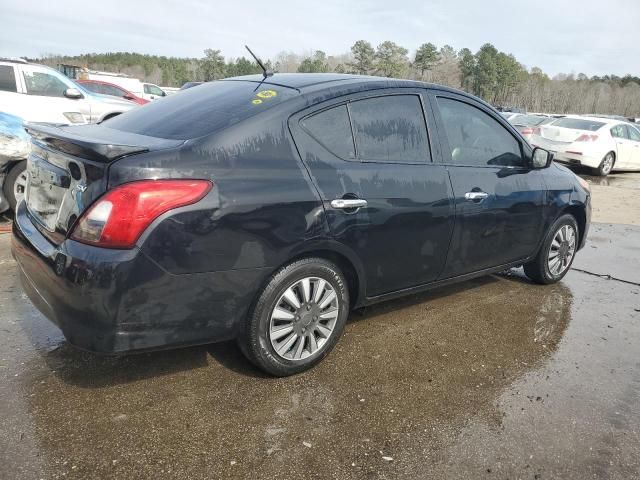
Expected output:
{"points": [[265, 73]]}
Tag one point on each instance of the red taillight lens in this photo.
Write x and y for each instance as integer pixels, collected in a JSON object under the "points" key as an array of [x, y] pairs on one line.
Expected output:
{"points": [[530, 131], [586, 138], [119, 217]]}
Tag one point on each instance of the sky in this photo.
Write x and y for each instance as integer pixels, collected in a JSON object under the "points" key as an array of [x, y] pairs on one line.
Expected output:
{"points": [[561, 36]]}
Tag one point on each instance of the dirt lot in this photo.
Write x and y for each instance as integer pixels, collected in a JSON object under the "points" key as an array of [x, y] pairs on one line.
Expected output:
{"points": [[493, 378]]}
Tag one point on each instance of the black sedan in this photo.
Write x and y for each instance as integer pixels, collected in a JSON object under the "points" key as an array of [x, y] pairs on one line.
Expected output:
{"points": [[264, 209]]}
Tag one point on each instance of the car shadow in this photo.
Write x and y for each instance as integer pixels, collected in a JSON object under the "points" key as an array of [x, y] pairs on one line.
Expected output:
{"points": [[87, 370]]}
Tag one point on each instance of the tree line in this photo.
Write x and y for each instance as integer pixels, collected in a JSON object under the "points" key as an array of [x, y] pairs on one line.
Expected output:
{"points": [[495, 76]]}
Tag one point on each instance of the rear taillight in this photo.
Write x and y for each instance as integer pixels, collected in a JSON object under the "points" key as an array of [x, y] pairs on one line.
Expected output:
{"points": [[586, 138], [120, 216], [530, 131]]}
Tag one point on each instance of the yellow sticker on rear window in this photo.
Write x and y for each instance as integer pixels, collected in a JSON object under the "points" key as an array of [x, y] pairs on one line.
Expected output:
{"points": [[266, 94]]}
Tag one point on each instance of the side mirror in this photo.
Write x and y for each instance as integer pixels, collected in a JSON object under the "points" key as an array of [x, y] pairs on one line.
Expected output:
{"points": [[541, 158], [73, 93]]}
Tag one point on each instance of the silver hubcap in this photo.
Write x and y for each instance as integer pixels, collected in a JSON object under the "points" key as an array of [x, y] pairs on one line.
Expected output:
{"points": [[607, 163], [303, 318], [20, 186], [563, 247]]}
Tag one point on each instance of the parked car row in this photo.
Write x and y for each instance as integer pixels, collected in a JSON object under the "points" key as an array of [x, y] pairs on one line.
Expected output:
{"points": [[603, 143]]}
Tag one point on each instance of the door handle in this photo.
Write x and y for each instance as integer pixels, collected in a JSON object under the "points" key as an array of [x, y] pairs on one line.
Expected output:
{"points": [[348, 203], [475, 196]]}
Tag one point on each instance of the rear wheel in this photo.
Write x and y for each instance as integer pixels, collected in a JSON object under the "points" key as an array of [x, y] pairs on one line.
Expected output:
{"points": [[298, 317], [15, 184], [557, 253], [606, 165]]}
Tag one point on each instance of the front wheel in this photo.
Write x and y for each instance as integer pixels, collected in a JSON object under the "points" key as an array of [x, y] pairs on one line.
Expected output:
{"points": [[298, 317], [557, 252]]}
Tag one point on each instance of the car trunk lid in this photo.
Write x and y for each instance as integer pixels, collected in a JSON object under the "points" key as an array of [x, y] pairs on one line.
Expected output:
{"points": [[68, 170]]}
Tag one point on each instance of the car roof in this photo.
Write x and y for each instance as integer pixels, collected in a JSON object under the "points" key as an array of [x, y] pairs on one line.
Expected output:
{"points": [[308, 81]]}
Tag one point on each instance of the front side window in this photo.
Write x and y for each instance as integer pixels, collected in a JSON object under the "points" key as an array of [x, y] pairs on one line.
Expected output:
{"points": [[113, 91], [390, 129], [634, 134], [332, 130], [44, 84], [477, 139], [7, 79], [153, 90]]}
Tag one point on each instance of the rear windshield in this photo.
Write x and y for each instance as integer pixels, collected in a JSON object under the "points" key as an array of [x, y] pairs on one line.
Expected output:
{"points": [[528, 120], [578, 124], [196, 112]]}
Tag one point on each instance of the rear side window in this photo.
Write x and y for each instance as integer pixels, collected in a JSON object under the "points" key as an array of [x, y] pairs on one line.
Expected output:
{"points": [[477, 139], [390, 129], [7, 79], [578, 124], [619, 131], [331, 128], [196, 112]]}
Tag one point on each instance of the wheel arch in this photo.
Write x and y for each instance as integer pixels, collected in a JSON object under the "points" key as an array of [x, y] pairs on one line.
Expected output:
{"points": [[577, 211], [346, 260]]}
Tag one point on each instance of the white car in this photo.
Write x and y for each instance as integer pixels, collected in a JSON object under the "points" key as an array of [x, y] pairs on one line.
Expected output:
{"points": [[601, 144], [37, 93]]}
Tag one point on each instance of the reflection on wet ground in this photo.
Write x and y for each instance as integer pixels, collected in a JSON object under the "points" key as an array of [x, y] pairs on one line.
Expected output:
{"points": [[620, 180], [491, 378]]}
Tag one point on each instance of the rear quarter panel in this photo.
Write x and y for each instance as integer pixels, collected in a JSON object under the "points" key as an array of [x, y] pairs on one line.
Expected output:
{"points": [[261, 209]]}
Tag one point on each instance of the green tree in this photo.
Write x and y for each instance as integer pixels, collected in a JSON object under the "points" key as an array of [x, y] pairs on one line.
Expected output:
{"points": [[212, 66], [391, 59], [315, 64], [426, 58], [363, 57], [467, 64], [241, 66], [486, 72]]}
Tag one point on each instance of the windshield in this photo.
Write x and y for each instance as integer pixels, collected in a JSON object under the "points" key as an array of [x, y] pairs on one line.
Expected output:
{"points": [[528, 120], [196, 112], [578, 124]]}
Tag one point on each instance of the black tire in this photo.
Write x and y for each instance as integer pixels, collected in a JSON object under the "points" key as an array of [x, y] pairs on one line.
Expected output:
{"points": [[603, 170], [10, 181], [255, 341], [538, 269]]}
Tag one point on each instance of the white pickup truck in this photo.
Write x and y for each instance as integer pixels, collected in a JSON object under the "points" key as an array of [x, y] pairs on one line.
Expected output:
{"points": [[36, 93]]}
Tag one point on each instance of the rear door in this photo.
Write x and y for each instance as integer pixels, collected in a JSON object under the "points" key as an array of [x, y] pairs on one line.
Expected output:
{"points": [[499, 199], [373, 150]]}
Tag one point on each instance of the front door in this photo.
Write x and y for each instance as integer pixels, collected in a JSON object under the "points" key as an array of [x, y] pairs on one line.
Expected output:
{"points": [[499, 198], [634, 139], [624, 146], [369, 157]]}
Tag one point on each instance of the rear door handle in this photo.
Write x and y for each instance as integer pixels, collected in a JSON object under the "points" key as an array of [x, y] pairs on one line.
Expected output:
{"points": [[475, 196], [348, 203]]}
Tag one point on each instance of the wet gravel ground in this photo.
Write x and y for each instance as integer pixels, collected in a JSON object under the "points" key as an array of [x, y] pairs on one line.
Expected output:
{"points": [[492, 378]]}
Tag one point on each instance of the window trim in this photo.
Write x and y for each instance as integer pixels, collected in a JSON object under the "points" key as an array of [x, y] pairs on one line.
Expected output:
{"points": [[350, 98], [446, 157]]}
